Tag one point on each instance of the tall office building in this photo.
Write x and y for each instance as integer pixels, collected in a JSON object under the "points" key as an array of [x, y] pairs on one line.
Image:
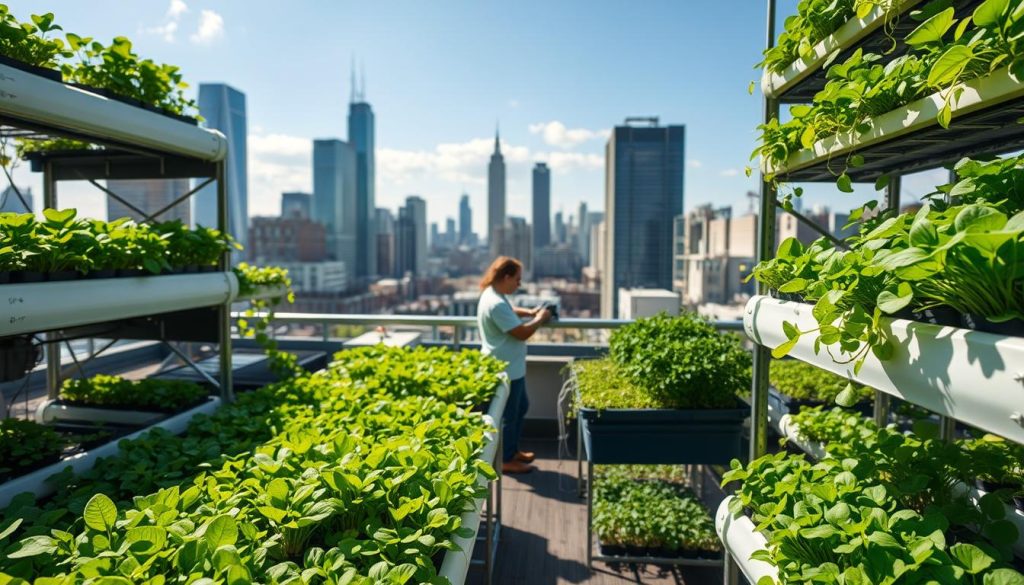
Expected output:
{"points": [[334, 197], [517, 242], [583, 232], [361, 136], [496, 198], [411, 237], [297, 204], [644, 165], [223, 107], [435, 234], [385, 231], [465, 220], [450, 237], [11, 203], [541, 206], [559, 228], [148, 196]]}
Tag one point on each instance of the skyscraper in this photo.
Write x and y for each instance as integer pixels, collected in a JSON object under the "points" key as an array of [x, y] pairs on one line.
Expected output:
{"points": [[541, 206], [361, 125], [450, 236], [435, 234], [583, 233], [334, 197], [496, 198], [297, 204], [465, 220], [644, 165], [517, 242], [417, 207], [223, 107], [149, 196], [559, 228], [385, 242]]}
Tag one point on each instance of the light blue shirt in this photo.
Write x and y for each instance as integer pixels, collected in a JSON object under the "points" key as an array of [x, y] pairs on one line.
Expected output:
{"points": [[496, 318]]}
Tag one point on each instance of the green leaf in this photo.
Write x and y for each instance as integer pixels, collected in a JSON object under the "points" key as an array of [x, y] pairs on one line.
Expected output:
{"points": [[890, 302], [973, 559], [1002, 532], [100, 513], [979, 218], [33, 546], [1003, 577], [223, 530], [848, 396], [790, 248], [945, 116], [932, 30], [844, 183], [881, 182], [807, 138], [856, 161], [795, 285], [783, 349], [989, 12], [883, 539], [949, 66], [10, 528]]}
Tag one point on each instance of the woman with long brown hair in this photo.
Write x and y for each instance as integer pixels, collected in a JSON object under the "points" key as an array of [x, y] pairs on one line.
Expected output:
{"points": [[503, 334]]}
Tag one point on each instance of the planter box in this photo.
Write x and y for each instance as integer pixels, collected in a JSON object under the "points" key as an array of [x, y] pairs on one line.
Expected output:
{"points": [[36, 482], [455, 563], [663, 436]]}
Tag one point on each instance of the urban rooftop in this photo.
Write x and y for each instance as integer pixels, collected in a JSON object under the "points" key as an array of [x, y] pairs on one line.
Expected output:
{"points": [[791, 395]]}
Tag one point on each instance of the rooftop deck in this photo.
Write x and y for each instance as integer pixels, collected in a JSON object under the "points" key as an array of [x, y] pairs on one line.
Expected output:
{"points": [[543, 540]]}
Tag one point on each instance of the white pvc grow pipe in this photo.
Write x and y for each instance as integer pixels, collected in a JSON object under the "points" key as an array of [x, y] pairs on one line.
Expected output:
{"points": [[847, 35], [789, 430], [51, 411], [51, 104], [45, 306], [455, 565], [36, 483], [974, 95], [967, 375], [739, 537]]}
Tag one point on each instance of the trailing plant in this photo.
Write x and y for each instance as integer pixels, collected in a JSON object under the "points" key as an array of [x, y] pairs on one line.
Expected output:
{"points": [[116, 392], [26, 446], [802, 381], [661, 516], [681, 360], [259, 316]]}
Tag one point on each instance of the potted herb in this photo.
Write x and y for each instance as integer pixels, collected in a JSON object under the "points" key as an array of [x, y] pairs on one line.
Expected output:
{"points": [[666, 394]]}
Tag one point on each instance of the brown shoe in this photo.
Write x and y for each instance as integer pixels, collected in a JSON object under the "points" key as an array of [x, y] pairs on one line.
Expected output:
{"points": [[515, 467], [525, 456]]}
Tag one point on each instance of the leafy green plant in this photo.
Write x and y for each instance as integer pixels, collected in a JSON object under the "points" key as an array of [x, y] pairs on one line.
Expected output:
{"points": [[25, 446], [602, 386], [661, 516], [116, 392], [815, 423], [682, 361], [803, 381], [319, 477], [29, 42]]}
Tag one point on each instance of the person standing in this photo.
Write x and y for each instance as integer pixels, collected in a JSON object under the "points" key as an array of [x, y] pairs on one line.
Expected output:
{"points": [[503, 333]]}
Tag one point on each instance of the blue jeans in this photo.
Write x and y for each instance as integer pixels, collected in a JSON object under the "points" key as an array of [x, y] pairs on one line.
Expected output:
{"points": [[512, 421]]}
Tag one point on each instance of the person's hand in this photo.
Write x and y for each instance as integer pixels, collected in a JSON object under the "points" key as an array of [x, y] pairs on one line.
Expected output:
{"points": [[536, 310], [545, 315]]}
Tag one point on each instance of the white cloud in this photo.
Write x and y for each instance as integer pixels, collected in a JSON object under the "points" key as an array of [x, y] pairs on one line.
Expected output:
{"points": [[730, 173], [167, 30], [211, 28], [556, 134], [277, 163], [694, 164], [177, 8], [566, 161], [513, 103]]}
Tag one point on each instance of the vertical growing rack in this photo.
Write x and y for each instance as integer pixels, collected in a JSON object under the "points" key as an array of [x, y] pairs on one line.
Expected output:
{"points": [[935, 367], [138, 144]]}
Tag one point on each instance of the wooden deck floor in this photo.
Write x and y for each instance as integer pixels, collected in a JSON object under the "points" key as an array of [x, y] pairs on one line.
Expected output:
{"points": [[544, 537]]}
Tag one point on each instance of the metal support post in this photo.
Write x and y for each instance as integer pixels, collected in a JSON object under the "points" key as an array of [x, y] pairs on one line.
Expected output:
{"points": [[765, 251], [457, 337], [489, 541], [226, 388], [947, 428], [730, 570], [882, 400], [497, 469], [579, 458], [53, 376], [590, 514]]}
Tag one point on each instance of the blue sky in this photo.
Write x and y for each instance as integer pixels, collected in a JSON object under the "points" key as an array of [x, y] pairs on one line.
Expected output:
{"points": [[440, 75]]}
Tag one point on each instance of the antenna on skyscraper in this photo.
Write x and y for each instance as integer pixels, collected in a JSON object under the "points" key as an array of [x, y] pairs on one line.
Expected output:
{"points": [[362, 81], [352, 82]]}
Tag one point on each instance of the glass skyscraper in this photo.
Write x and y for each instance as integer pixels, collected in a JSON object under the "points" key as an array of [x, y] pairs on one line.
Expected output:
{"points": [[541, 206], [223, 107], [644, 167], [496, 199], [361, 137], [334, 197], [465, 220]]}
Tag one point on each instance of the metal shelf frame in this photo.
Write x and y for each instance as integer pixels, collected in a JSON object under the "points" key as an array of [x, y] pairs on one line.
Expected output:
{"points": [[140, 144]]}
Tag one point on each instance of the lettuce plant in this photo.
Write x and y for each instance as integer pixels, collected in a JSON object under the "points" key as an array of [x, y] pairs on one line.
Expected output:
{"points": [[116, 392]]}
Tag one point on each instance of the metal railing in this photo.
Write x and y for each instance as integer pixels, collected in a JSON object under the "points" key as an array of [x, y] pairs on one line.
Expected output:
{"points": [[460, 324]]}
